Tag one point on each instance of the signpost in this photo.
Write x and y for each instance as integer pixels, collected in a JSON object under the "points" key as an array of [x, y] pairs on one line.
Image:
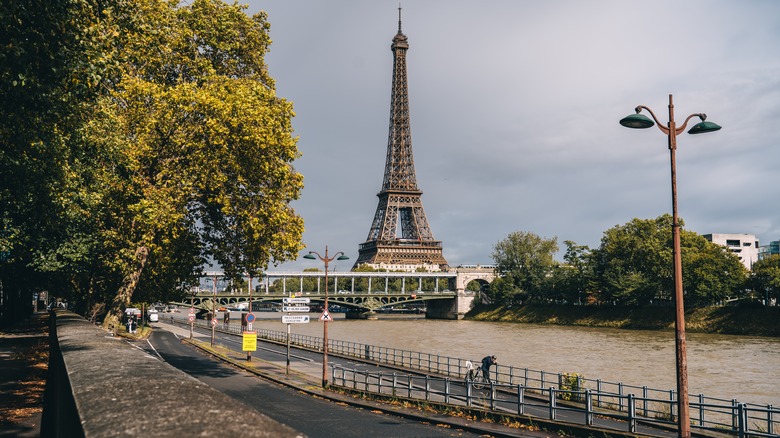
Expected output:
{"points": [[293, 304], [295, 319], [250, 318], [191, 318], [296, 309]]}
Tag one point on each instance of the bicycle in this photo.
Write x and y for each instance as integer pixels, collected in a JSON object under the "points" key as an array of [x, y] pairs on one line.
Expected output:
{"points": [[477, 379]]}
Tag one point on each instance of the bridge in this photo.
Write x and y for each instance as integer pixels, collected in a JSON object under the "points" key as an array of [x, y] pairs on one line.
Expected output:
{"points": [[443, 294]]}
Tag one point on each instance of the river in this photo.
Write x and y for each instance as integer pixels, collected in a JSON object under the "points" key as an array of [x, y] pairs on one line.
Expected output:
{"points": [[745, 368]]}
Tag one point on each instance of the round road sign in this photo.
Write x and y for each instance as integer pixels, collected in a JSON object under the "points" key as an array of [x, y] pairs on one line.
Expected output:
{"points": [[191, 318], [250, 317], [213, 322]]}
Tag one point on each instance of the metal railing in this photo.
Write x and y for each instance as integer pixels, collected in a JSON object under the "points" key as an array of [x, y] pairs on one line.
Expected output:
{"points": [[623, 401]]}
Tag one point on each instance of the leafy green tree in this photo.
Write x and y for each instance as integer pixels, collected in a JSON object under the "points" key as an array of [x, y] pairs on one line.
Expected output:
{"points": [[711, 273], [765, 278], [171, 148], [633, 263], [528, 259]]}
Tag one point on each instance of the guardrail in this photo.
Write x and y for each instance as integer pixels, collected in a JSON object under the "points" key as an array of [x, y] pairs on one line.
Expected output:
{"points": [[658, 405]]}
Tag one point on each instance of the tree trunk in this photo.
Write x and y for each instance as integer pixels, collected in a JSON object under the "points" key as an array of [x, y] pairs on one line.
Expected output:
{"points": [[125, 293]]}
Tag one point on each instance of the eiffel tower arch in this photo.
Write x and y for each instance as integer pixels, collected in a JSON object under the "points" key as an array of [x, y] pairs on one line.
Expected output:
{"points": [[400, 237]]}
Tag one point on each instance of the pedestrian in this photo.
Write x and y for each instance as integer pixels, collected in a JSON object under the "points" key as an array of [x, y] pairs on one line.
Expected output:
{"points": [[487, 362], [470, 370], [133, 325]]}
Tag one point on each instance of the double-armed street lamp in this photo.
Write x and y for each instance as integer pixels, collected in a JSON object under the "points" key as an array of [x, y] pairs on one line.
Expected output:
{"points": [[313, 255], [639, 121]]}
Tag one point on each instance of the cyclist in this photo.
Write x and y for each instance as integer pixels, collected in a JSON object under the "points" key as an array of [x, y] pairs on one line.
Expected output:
{"points": [[487, 362]]}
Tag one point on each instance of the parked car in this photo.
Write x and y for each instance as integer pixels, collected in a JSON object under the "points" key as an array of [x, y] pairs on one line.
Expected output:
{"points": [[153, 316]]}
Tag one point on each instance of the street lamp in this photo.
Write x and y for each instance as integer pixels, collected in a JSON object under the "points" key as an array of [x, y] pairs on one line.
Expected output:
{"points": [[639, 121], [338, 256]]}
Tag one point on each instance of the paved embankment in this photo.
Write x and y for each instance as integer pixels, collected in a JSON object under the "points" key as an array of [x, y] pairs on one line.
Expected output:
{"points": [[101, 386]]}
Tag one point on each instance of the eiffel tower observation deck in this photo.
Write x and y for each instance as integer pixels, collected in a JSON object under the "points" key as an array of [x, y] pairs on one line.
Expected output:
{"points": [[400, 205]]}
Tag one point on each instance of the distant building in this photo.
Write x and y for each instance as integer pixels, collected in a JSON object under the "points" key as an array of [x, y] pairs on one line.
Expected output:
{"points": [[772, 249], [745, 246]]}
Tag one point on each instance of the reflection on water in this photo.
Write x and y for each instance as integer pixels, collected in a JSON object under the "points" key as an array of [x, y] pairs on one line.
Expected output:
{"points": [[722, 366]]}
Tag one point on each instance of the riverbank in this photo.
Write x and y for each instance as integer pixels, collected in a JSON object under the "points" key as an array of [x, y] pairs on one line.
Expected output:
{"points": [[738, 320]]}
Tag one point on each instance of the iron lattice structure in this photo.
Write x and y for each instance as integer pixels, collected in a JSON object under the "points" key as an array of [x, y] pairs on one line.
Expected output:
{"points": [[400, 203]]}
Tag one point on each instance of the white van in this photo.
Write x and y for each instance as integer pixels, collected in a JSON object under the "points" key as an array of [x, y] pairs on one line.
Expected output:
{"points": [[153, 316]]}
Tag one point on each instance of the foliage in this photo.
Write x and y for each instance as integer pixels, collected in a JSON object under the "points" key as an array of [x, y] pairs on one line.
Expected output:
{"points": [[524, 260], [158, 143], [765, 278]]}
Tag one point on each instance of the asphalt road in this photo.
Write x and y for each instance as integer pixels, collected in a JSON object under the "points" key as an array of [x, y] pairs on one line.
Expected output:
{"points": [[313, 416]]}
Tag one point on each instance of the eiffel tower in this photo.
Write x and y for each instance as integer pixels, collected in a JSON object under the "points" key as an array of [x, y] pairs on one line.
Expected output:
{"points": [[399, 199]]}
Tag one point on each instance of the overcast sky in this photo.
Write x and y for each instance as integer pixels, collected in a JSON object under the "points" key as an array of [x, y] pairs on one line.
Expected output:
{"points": [[514, 113]]}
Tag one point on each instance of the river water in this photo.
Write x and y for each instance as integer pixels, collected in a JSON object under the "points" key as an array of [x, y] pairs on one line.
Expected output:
{"points": [[729, 367]]}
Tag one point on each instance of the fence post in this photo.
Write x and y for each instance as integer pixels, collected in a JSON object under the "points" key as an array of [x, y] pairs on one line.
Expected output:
{"points": [[701, 409], [366, 381], [446, 390], [631, 414], [644, 401], [742, 420], [395, 384], [520, 401], [492, 396], [468, 393], [770, 429], [598, 393], [552, 403], [588, 408], [427, 388], [368, 352], [620, 396], [409, 386], [734, 414]]}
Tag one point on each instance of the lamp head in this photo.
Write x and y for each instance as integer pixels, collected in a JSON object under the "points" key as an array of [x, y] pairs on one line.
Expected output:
{"points": [[343, 257], [636, 121], [310, 257], [704, 126]]}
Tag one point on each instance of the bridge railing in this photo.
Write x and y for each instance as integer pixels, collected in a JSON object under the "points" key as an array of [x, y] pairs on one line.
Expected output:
{"points": [[660, 404]]}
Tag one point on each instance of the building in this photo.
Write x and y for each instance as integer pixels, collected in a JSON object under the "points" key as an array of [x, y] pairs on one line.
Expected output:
{"points": [[772, 249], [745, 246]]}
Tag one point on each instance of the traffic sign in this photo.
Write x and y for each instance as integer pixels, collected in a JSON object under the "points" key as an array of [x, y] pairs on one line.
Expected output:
{"points": [[326, 316], [296, 300], [213, 322], [191, 317], [295, 319], [249, 342], [250, 317], [295, 308]]}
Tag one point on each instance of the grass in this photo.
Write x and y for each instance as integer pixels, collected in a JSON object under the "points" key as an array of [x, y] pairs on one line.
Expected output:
{"points": [[739, 320]]}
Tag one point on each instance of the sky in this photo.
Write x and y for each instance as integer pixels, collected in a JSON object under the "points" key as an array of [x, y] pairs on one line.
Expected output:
{"points": [[514, 110]]}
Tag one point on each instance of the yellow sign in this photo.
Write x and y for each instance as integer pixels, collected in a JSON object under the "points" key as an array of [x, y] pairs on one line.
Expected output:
{"points": [[250, 342]]}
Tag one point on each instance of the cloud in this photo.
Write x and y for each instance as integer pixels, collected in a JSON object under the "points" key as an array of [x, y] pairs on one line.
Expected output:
{"points": [[514, 111]]}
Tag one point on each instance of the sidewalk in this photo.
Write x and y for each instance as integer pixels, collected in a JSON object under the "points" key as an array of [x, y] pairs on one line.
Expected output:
{"points": [[24, 352], [307, 379]]}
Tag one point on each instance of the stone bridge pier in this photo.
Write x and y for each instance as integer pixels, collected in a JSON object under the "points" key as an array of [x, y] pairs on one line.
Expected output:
{"points": [[459, 306]]}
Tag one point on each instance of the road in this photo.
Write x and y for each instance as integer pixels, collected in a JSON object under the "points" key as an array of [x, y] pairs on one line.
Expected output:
{"points": [[314, 417]]}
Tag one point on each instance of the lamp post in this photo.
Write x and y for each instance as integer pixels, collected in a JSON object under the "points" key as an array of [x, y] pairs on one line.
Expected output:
{"points": [[338, 256], [639, 121]]}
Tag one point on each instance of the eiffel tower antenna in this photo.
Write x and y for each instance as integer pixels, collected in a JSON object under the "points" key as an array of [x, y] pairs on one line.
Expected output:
{"points": [[400, 237]]}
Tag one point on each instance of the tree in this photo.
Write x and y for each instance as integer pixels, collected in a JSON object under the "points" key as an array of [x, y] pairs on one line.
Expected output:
{"points": [[528, 259], [203, 145], [711, 273], [182, 153], [633, 263], [765, 278]]}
